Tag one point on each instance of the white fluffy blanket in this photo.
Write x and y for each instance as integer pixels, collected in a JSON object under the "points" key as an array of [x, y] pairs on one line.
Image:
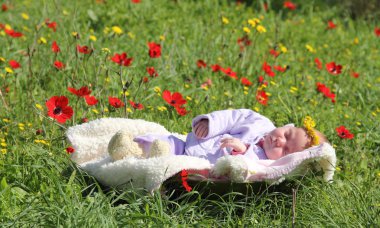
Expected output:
{"points": [[90, 141]]}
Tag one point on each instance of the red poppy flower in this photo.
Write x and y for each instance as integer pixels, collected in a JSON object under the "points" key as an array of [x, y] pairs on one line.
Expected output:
{"points": [[184, 176], [54, 47], [59, 65], [152, 72], [280, 68], [115, 102], [58, 108], [245, 81], [344, 133], [84, 49], [377, 31], [52, 25], [290, 5], [262, 97], [4, 7], [318, 63], [83, 91], [90, 100], [274, 53], [70, 150], [201, 64], [138, 106], [84, 120], [228, 71], [326, 91], [13, 33], [174, 99], [268, 70], [243, 42], [331, 25], [14, 64], [334, 69], [216, 68], [136, 1], [122, 59], [354, 74], [154, 50], [145, 79]]}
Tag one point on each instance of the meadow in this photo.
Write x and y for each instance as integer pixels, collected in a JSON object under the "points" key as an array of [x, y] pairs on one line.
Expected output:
{"points": [[284, 60]]}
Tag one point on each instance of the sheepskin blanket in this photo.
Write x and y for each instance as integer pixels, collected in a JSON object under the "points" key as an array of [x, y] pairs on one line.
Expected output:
{"points": [[90, 141]]}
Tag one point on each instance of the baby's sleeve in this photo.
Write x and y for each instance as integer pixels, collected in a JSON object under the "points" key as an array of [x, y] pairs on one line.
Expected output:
{"points": [[232, 121]]}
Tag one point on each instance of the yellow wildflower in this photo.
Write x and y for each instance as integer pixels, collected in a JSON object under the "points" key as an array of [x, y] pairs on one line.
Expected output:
{"points": [[293, 89], [129, 110], [157, 89], [8, 70], [2, 59], [106, 50], [358, 123], [227, 93], [162, 37], [346, 116], [245, 92], [161, 108], [95, 111], [131, 35], [3, 144], [246, 30], [93, 38], [3, 151], [6, 120], [106, 30], [25, 16], [225, 20], [126, 93], [337, 168], [107, 80], [257, 109], [186, 86], [75, 34], [105, 110], [7, 26], [117, 30], [261, 29], [356, 40], [188, 98], [283, 48], [310, 48], [253, 22], [39, 107]]}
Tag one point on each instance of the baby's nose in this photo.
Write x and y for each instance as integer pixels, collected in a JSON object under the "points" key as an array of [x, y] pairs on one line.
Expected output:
{"points": [[280, 142]]}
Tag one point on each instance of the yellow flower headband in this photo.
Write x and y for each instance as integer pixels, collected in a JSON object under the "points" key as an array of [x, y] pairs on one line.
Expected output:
{"points": [[309, 124]]}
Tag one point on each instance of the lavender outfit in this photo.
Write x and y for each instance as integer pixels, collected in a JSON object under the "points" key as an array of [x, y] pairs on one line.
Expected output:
{"points": [[244, 124]]}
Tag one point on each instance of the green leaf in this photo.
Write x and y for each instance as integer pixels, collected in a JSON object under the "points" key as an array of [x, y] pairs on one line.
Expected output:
{"points": [[3, 184], [92, 15]]}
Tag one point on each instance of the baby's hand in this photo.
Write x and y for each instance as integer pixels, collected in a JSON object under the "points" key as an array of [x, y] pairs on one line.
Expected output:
{"points": [[201, 128], [236, 144]]}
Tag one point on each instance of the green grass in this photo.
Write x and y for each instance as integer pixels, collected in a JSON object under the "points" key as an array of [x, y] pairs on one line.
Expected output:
{"points": [[40, 186]]}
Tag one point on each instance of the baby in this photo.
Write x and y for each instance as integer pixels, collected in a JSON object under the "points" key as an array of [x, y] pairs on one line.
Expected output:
{"points": [[236, 132]]}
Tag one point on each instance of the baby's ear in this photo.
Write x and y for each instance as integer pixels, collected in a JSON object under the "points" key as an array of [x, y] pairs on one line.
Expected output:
{"points": [[289, 125]]}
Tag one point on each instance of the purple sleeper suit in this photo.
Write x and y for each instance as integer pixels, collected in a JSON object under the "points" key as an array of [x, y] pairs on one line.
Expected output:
{"points": [[244, 124]]}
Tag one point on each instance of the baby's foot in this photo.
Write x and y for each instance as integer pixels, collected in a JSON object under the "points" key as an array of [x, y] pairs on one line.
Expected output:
{"points": [[122, 145], [159, 148]]}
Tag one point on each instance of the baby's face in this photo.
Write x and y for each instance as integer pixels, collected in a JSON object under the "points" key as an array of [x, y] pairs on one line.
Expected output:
{"points": [[285, 140]]}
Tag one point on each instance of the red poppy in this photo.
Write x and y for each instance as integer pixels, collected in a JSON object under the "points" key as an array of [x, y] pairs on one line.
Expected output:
{"points": [[90, 100], [228, 71], [245, 81], [152, 72], [268, 70], [13, 33], [201, 64], [344, 133], [334, 69], [216, 68], [322, 88], [290, 5], [58, 108], [184, 176], [174, 99], [243, 42], [54, 47], [138, 106], [331, 25], [4, 7], [280, 68], [52, 25], [265, 6], [354, 74], [70, 150], [122, 59], [14, 64], [377, 31], [318, 63], [154, 50], [135, 1], [274, 53], [145, 79], [262, 97], [115, 102], [59, 65], [83, 91], [84, 120], [84, 49]]}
